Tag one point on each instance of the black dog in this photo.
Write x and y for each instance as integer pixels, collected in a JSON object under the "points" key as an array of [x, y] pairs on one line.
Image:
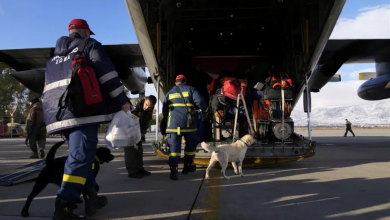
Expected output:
{"points": [[54, 171]]}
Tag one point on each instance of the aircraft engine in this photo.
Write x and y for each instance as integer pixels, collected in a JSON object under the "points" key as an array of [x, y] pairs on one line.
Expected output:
{"points": [[34, 79], [134, 78], [376, 88]]}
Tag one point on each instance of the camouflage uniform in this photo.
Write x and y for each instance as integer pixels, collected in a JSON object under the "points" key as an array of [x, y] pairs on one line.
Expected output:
{"points": [[348, 124], [36, 130]]}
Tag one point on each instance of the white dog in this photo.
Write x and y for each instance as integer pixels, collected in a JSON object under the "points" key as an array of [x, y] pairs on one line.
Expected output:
{"points": [[226, 153]]}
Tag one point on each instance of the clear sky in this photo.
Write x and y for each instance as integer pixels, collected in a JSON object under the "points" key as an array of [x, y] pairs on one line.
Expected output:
{"points": [[39, 23]]}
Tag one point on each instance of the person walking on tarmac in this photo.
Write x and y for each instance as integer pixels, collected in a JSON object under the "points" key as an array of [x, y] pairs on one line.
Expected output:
{"points": [[36, 130], [349, 128], [134, 154], [178, 112], [81, 132]]}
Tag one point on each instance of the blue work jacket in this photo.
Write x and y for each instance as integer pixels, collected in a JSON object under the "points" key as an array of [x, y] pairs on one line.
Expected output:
{"points": [[175, 110]]}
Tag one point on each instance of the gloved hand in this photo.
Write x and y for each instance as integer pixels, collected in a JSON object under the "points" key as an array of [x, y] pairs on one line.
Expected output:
{"points": [[126, 107], [163, 127]]}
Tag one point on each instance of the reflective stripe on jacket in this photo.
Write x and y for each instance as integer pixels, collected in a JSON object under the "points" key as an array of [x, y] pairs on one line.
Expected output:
{"points": [[58, 75], [175, 110]]}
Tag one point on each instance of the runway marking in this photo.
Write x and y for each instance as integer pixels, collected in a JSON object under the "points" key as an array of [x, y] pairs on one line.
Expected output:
{"points": [[212, 201], [286, 198], [53, 197], [160, 215], [299, 203], [362, 211], [153, 171]]}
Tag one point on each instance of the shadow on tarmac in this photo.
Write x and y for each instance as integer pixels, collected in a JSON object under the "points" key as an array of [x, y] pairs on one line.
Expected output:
{"points": [[346, 180]]}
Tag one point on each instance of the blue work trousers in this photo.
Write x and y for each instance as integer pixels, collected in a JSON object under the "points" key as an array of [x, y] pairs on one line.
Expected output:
{"points": [[174, 144], [78, 172]]}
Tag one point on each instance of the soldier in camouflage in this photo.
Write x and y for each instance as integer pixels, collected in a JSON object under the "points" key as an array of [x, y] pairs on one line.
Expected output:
{"points": [[36, 130], [349, 128]]}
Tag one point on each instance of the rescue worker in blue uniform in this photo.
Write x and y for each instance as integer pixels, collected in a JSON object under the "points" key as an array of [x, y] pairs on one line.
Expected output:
{"points": [[176, 115], [81, 132]]}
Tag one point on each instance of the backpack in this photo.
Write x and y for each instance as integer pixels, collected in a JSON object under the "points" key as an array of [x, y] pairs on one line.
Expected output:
{"points": [[275, 94], [82, 97], [276, 81], [274, 86], [212, 86], [232, 87]]}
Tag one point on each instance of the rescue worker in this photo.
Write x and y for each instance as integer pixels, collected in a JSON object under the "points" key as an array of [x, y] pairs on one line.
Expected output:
{"points": [[176, 113], [36, 130], [349, 128], [134, 154], [81, 132]]}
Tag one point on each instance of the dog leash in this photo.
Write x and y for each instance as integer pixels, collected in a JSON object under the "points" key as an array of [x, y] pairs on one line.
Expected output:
{"points": [[193, 204], [200, 187]]}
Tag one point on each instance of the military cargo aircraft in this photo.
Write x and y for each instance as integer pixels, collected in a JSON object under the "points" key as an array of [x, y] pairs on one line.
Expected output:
{"points": [[247, 40]]}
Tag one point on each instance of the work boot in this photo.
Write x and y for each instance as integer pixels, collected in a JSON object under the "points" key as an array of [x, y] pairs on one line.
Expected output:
{"points": [[41, 153], [136, 175], [188, 167], [144, 172], [174, 171], [34, 155], [94, 202], [64, 210]]}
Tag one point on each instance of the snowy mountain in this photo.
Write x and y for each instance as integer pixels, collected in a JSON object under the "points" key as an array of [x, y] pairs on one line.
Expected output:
{"points": [[372, 114]]}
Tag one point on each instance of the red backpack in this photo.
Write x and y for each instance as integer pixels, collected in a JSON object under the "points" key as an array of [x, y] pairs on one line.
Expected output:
{"points": [[232, 87], [83, 96]]}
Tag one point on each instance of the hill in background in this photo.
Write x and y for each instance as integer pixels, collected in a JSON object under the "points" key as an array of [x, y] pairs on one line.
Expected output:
{"points": [[375, 114]]}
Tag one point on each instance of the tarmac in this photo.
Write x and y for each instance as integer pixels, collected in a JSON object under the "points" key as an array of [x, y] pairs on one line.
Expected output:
{"points": [[348, 178]]}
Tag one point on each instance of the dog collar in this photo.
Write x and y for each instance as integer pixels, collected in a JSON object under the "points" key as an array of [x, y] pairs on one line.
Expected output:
{"points": [[244, 142], [97, 158]]}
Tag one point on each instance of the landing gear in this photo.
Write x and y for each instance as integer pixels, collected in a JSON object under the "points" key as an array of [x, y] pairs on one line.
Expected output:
{"points": [[308, 99]]}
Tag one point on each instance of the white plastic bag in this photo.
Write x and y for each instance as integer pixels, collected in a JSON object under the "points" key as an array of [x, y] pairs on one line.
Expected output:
{"points": [[124, 131]]}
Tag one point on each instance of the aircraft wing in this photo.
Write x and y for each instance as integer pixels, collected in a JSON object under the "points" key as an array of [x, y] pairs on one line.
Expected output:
{"points": [[339, 52], [35, 58], [30, 63]]}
